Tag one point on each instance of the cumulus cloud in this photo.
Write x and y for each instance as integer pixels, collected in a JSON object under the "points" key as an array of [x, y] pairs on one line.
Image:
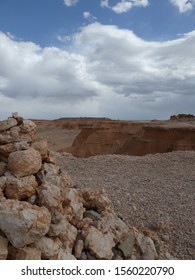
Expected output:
{"points": [[108, 72], [183, 5], [70, 3], [124, 6]]}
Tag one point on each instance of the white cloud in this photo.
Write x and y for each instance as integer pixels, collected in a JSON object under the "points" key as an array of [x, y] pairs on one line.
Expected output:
{"points": [[183, 5], [108, 72], [70, 3], [88, 16], [124, 6]]}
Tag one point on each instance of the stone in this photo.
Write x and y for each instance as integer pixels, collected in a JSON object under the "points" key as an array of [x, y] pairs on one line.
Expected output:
{"points": [[99, 244], [63, 254], [19, 188], [22, 222], [72, 205], [28, 126], [146, 246], [3, 167], [115, 226], [24, 163], [6, 137], [41, 147], [3, 248], [7, 124], [28, 253], [52, 174], [22, 145], [86, 222], [6, 149], [49, 247], [126, 246], [92, 215], [15, 133], [78, 248], [66, 232], [2, 183], [95, 199]]}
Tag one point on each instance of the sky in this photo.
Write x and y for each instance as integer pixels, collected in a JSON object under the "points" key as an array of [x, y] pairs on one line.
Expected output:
{"points": [[122, 59]]}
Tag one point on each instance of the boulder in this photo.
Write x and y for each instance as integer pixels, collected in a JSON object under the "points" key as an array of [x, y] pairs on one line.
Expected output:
{"points": [[19, 188], [49, 247], [66, 232], [41, 147], [22, 222], [7, 124], [99, 244], [115, 226], [24, 163]]}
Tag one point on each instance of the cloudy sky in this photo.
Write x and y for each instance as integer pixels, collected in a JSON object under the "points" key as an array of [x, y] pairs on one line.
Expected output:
{"points": [[123, 59]]}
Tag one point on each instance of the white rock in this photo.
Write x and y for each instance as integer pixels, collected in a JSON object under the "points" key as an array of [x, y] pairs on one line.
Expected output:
{"points": [[22, 222], [49, 247], [98, 243], [66, 232]]}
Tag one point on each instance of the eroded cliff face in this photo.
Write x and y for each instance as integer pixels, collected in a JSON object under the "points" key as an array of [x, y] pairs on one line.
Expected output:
{"points": [[133, 138]]}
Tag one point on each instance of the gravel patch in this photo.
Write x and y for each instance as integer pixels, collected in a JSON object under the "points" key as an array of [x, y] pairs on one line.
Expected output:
{"points": [[155, 192]]}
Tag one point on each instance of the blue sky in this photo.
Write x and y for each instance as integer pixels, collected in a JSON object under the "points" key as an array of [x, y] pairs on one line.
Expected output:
{"points": [[124, 59]]}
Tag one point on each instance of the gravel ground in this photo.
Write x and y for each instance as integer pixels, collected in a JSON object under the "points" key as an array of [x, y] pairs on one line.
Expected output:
{"points": [[155, 192]]}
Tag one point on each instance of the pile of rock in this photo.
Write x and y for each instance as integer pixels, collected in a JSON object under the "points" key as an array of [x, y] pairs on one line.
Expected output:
{"points": [[43, 215]]}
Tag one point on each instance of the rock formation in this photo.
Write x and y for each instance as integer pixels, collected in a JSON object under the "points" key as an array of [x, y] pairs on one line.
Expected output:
{"points": [[133, 138], [43, 215]]}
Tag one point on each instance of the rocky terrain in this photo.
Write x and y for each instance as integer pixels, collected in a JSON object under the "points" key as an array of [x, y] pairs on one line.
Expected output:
{"points": [[44, 215], [154, 193], [84, 137], [57, 206]]}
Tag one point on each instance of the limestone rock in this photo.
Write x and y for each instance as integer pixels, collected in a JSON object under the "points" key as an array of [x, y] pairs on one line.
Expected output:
{"points": [[3, 248], [126, 246], [95, 199], [63, 254], [66, 232], [22, 222], [28, 253], [49, 247], [19, 188], [147, 247], [78, 248], [98, 243], [24, 163], [41, 147], [72, 205], [6, 149], [28, 126], [115, 226], [7, 124]]}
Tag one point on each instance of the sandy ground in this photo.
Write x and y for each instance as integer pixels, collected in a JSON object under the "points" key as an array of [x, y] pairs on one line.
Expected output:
{"points": [[57, 137]]}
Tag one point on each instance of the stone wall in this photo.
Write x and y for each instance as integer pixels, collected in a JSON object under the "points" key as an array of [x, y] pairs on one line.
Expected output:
{"points": [[43, 215]]}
